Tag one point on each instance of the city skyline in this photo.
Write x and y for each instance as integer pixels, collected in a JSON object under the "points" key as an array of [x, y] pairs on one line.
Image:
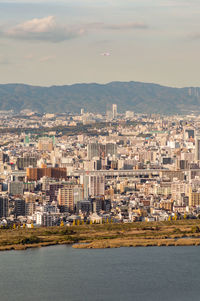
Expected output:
{"points": [[62, 43]]}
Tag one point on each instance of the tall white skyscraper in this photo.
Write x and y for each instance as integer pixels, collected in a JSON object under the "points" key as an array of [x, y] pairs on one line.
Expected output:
{"points": [[114, 110]]}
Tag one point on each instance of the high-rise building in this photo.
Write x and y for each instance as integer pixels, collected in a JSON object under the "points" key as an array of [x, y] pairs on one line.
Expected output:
{"points": [[16, 188], [96, 185], [108, 112], [3, 206], [110, 149], [197, 148], [84, 180], [194, 198], [68, 196], [92, 150], [24, 162], [93, 185], [35, 174], [114, 111], [101, 150], [19, 207]]}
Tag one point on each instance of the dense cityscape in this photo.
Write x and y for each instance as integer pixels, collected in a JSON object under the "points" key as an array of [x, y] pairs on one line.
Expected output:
{"points": [[73, 169]]}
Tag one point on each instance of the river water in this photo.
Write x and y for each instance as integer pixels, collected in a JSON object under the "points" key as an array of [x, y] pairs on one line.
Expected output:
{"points": [[62, 273]]}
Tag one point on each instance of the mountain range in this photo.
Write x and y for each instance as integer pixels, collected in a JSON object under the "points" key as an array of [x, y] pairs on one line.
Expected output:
{"points": [[135, 96]]}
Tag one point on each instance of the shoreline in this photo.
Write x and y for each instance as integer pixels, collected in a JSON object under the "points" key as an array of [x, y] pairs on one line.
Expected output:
{"points": [[174, 233], [150, 243], [107, 245]]}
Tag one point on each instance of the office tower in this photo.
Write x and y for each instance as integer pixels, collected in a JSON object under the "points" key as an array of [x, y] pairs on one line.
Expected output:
{"points": [[3, 206], [114, 111], [92, 150], [82, 111], [19, 205], [197, 148]]}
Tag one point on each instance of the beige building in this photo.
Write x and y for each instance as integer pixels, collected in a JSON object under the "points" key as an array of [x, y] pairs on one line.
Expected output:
{"points": [[45, 144], [69, 195], [194, 198]]}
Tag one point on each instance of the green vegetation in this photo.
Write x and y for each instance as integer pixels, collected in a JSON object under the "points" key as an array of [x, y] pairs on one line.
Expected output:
{"points": [[136, 96], [89, 129]]}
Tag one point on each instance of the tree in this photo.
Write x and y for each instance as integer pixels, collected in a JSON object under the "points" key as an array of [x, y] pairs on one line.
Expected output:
{"points": [[195, 229]]}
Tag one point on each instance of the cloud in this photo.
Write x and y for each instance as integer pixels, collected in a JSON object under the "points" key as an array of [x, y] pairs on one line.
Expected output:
{"points": [[126, 26], [45, 29], [120, 26]]}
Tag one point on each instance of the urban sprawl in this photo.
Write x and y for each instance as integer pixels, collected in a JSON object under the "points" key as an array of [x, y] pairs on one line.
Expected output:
{"points": [[67, 169]]}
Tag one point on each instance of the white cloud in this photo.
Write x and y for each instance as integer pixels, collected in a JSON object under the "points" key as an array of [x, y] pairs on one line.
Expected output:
{"points": [[45, 29]]}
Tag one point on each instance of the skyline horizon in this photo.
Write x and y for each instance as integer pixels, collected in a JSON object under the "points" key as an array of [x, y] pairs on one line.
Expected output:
{"points": [[99, 83]]}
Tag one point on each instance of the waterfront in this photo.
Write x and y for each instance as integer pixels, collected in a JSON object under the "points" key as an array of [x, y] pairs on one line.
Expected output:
{"points": [[63, 273]]}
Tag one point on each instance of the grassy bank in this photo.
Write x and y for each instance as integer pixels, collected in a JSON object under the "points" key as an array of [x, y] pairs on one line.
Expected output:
{"points": [[174, 233]]}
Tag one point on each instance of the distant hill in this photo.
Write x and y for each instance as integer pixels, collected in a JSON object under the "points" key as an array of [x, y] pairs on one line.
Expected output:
{"points": [[136, 96]]}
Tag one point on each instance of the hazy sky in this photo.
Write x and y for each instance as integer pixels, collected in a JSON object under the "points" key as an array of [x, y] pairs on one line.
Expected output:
{"points": [[60, 42]]}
